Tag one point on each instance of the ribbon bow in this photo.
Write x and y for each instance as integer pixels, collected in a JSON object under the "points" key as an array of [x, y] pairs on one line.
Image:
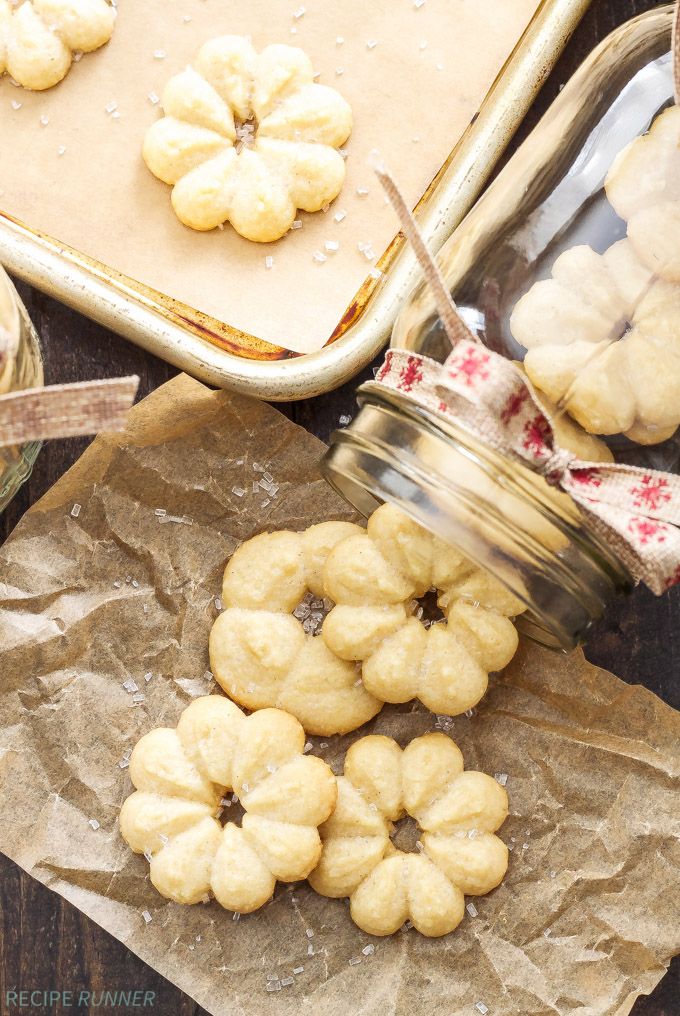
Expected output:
{"points": [[635, 511]]}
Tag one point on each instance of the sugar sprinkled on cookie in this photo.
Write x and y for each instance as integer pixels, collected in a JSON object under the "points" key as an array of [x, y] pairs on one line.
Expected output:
{"points": [[372, 648], [456, 814], [249, 139], [181, 776], [39, 39]]}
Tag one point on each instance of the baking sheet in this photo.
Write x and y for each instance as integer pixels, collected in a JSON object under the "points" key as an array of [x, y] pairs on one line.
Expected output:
{"points": [[424, 79], [586, 918]]}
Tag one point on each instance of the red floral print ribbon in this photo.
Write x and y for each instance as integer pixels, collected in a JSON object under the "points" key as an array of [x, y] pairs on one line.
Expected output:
{"points": [[635, 511]]}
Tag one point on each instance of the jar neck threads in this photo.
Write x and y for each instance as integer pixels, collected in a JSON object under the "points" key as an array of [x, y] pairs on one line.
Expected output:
{"points": [[497, 512]]}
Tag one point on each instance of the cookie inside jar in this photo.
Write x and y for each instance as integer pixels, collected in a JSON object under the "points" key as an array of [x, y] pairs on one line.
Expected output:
{"points": [[571, 261]]}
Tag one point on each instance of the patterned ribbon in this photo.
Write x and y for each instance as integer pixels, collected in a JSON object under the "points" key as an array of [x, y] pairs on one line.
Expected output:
{"points": [[635, 511], [84, 407]]}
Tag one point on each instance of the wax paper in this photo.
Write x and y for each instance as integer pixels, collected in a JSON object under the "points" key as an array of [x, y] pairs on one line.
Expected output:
{"points": [[90, 597], [415, 76]]}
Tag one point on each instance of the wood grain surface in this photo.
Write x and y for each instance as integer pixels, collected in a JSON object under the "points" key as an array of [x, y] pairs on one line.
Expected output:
{"points": [[47, 943]]}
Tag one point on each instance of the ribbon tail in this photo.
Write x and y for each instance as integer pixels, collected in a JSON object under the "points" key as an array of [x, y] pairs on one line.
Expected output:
{"points": [[649, 549], [84, 407]]}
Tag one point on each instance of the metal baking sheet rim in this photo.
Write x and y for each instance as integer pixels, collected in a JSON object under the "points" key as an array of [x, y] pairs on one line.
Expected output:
{"points": [[138, 315]]}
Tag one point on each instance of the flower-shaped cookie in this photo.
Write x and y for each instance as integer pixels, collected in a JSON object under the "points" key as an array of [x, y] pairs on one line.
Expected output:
{"points": [[373, 576], [39, 37], [643, 185], [249, 139], [260, 653], [261, 656], [458, 813], [597, 334], [181, 775]]}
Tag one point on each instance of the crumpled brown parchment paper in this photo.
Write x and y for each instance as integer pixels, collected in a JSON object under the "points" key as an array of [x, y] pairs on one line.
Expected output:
{"points": [[586, 919]]}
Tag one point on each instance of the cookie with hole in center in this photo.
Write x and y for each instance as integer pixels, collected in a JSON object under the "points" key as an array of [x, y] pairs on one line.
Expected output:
{"points": [[373, 647], [457, 813], [181, 776]]}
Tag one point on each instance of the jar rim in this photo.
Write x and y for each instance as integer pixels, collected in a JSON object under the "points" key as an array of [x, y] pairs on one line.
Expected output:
{"points": [[380, 457]]}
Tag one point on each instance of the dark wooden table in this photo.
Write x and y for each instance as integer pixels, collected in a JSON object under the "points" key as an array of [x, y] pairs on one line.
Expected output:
{"points": [[46, 942]]}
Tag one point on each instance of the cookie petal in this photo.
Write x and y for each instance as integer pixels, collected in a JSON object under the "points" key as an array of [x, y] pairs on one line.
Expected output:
{"points": [[188, 96], [148, 820], [36, 56], [326, 693], [269, 740], [228, 63], [436, 907], [181, 870], [430, 764], [474, 801], [655, 234], [407, 546], [82, 25], [279, 71], [313, 113], [451, 679], [262, 208], [345, 862], [252, 651], [172, 148], [602, 397], [374, 766], [266, 573], [645, 172], [380, 905], [239, 878], [208, 730], [356, 573], [314, 174], [317, 543], [160, 765], [354, 633], [475, 865], [354, 816], [551, 314], [203, 198], [302, 791], [289, 851], [489, 637], [393, 672]]}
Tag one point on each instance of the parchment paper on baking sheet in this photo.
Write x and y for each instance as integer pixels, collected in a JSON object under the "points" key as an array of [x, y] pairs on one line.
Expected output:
{"points": [[586, 918], [414, 75]]}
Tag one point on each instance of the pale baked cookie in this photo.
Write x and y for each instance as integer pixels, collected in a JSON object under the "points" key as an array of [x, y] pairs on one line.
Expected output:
{"points": [[643, 185], [182, 774], [372, 650], [260, 653], [597, 333], [249, 138], [373, 577], [571, 436], [457, 813], [38, 38]]}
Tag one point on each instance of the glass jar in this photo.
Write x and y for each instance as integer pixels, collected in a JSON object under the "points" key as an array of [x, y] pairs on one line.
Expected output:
{"points": [[20, 367], [549, 199]]}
